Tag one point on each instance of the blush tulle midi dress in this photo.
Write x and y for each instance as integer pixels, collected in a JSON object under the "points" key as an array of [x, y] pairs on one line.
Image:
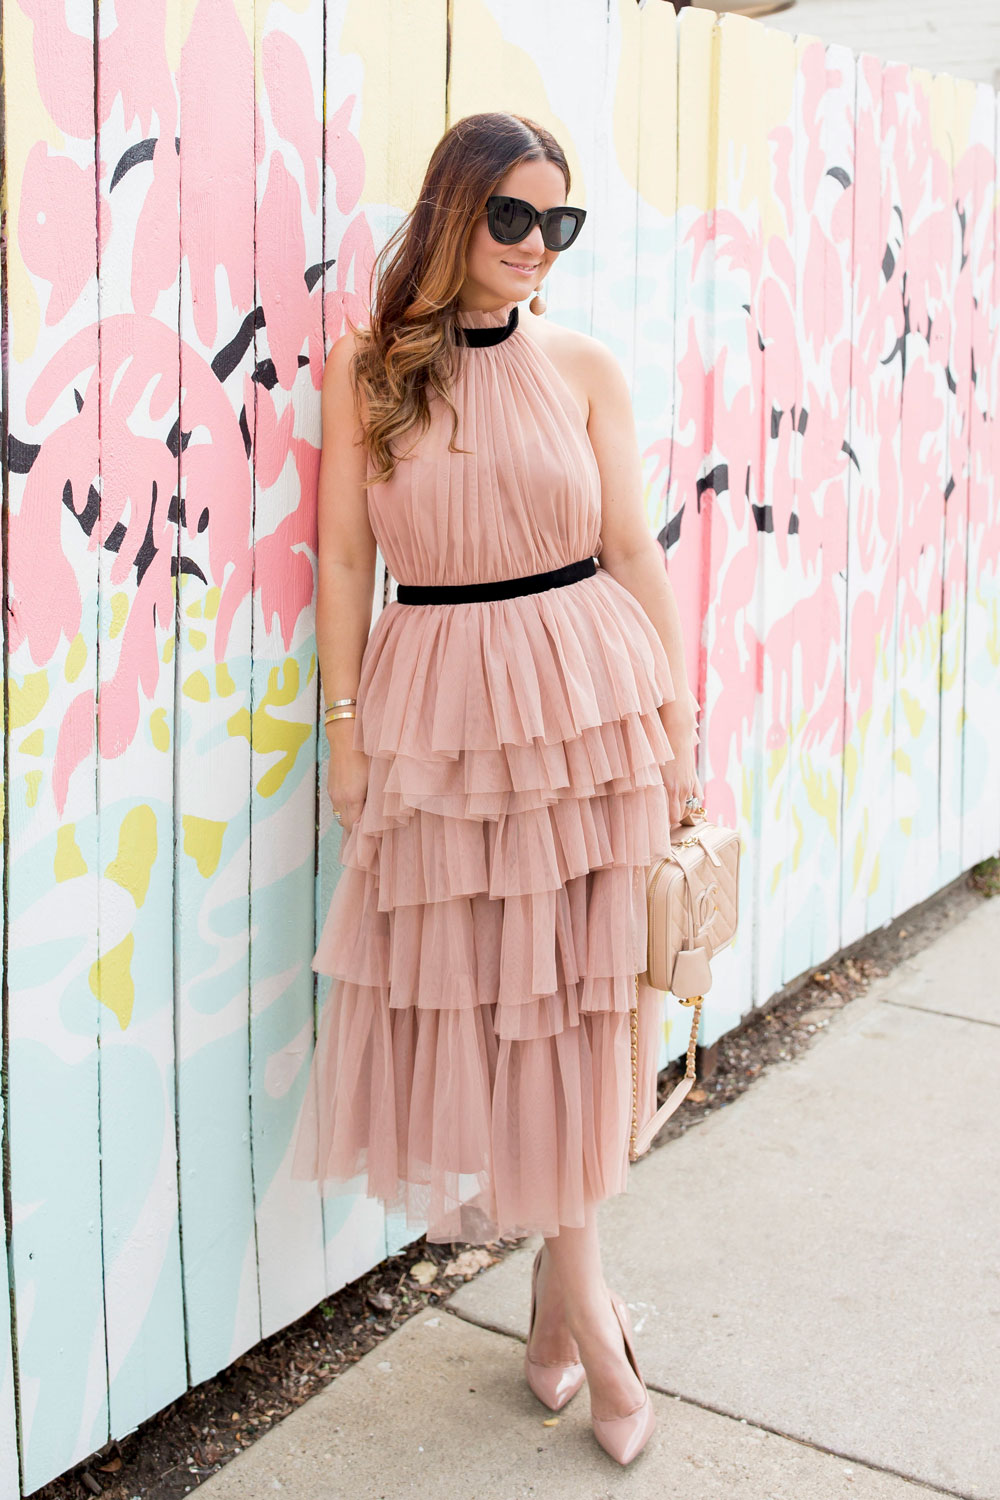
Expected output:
{"points": [[472, 1067]]}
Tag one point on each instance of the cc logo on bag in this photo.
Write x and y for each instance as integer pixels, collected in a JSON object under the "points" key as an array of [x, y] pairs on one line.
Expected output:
{"points": [[706, 906]]}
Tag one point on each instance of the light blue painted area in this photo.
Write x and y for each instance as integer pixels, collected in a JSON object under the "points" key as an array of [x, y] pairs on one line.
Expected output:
{"points": [[56, 1251], [216, 1194]]}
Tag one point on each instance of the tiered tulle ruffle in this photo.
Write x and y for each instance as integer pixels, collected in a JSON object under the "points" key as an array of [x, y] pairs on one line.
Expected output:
{"points": [[474, 1055]]}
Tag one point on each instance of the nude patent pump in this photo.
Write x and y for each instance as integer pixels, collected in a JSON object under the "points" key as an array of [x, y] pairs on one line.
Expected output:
{"points": [[553, 1383], [624, 1437]]}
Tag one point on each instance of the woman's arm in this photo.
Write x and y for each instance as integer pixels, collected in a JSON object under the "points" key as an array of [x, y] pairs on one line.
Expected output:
{"points": [[629, 551], [347, 552]]}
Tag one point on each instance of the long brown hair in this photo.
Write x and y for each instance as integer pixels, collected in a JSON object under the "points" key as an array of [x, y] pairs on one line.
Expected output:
{"points": [[410, 345]]}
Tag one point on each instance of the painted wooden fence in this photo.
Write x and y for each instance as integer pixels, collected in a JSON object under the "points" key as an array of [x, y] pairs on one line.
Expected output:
{"points": [[791, 249]]}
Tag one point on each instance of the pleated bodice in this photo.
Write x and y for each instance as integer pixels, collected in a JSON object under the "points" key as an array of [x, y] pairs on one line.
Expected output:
{"points": [[527, 495]]}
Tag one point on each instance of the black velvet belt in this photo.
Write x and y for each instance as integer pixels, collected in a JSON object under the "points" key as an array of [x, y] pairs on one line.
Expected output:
{"points": [[502, 588]]}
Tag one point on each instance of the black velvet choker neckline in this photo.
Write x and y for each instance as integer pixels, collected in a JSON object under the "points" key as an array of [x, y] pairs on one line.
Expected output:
{"points": [[479, 337]]}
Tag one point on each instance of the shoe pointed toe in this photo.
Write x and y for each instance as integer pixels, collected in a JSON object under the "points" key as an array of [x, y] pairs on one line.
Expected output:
{"points": [[624, 1437], [554, 1385]]}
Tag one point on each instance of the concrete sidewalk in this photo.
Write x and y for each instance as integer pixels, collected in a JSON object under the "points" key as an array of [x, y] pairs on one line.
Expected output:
{"points": [[814, 1279]]}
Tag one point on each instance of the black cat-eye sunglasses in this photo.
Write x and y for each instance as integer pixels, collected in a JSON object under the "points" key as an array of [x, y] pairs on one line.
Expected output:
{"points": [[510, 219]]}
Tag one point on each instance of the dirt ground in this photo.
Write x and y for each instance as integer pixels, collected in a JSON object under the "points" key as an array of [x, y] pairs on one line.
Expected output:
{"points": [[169, 1455]]}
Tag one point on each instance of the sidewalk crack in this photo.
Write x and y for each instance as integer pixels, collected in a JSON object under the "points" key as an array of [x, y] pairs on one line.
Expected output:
{"points": [[950, 1014]]}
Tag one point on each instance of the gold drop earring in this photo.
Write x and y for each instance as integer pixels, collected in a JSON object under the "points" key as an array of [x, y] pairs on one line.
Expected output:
{"points": [[537, 303]]}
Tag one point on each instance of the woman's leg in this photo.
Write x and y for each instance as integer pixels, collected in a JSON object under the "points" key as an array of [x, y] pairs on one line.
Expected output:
{"points": [[575, 1303]]}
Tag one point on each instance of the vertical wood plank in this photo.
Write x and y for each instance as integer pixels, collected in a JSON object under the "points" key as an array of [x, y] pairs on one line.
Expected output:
{"points": [[874, 506], [674, 517], [923, 189], [137, 535], [9, 1461], [775, 584], [53, 870], [815, 535], [288, 345], [951, 108], [715, 454], [980, 784], [217, 191]]}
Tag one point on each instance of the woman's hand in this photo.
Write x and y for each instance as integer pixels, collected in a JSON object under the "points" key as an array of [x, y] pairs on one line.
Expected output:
{"points": [[347, 775], [680, 775]]}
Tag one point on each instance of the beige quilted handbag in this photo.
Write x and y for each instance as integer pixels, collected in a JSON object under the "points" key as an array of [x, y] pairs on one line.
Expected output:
{"points": [[692, 901]]}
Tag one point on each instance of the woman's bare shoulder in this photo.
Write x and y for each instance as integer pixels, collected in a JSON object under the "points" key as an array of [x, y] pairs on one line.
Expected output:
{"points": [[338, 382], [341, 353], [578, 357]]}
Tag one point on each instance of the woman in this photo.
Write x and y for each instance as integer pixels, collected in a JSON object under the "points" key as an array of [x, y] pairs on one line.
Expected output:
{"points": [[508, 749]]}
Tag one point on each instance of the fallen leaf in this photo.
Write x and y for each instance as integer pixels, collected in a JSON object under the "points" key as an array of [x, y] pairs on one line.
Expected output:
{"points": [[111, 1467], [424, 1272], [697, 1096], [469, 1262], [550, 1421]]}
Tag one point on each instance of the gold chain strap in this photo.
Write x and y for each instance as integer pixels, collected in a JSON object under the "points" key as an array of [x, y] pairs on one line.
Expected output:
{"points": [[696, 1001]]}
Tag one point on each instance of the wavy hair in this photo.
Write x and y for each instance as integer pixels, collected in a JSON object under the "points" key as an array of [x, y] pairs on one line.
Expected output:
{"points": [[410, 346]]}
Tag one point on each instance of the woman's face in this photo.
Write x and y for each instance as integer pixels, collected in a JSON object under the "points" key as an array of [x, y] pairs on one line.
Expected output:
{"points": [[492, 276]]}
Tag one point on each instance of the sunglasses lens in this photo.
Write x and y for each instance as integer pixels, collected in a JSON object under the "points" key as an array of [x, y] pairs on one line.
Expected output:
{"points": [[561, 230], [511, 220]]}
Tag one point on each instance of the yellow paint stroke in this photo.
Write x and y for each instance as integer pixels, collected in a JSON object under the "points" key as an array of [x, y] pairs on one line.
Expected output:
{"points": [[27, 698], [33, 743], [876, 875], [270, 735], [916, 714], [28, 126], [119, 614], [777, 760], [159, 729], [167, 654], [76, 658], [196, 687], [197, 639], [747, 792], [489, 71], [952, 104], [312, 668], [212, 598], [860, 844], [647, 77], [224, 684], [194, 610], [137, 845], [69, 863], [906, 824], [398, 118], [992, 610], [750, 78], [821, 796], [111, 980], [852, 761], [203, 841], [32, 783], [902, 762], [950, 669], [799, 839]]}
